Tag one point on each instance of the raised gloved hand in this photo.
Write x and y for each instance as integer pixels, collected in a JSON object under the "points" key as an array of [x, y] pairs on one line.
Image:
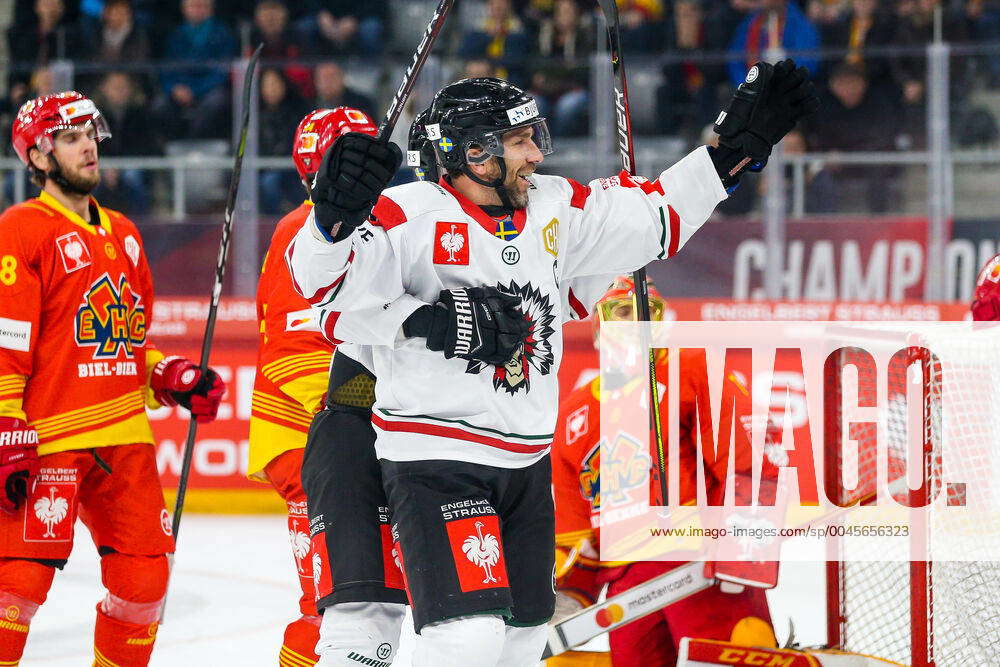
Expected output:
{"points": [[351, 177], [763, 109], [18, 462], [178, 381], [474, 323]]}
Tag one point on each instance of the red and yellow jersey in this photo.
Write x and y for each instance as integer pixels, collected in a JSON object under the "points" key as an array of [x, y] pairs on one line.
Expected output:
{"points": [[578, 486], [76, 300], [293, 357]]}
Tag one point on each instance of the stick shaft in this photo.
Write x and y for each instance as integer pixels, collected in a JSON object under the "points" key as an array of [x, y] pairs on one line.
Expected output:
{"points": [[220, 272], [623, 125], [411, 73]]}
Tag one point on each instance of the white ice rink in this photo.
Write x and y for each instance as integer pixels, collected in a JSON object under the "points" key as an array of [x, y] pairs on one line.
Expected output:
{"points": [[234, 588]]}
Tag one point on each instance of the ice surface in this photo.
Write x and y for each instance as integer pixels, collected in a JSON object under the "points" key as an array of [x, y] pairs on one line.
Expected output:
{"points": [[234, 588]]}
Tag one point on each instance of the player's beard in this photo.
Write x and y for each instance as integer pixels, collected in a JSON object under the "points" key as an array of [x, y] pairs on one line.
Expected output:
{"points": [[516, 198], [73, 183]]}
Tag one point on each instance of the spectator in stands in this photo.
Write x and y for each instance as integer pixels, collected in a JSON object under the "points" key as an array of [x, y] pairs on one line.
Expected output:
{"points": [[642, 25], [914, 29], [281, 109], [46, 36], [688, 93], [119, 101], [501, 38], [984, 26], [196, 97], [822, 13], [859, 117], [347, 26], [560, 85], [820, 191], [478, 68], [332, 90], [768, 33], [567, 33], [271, 28], [118, 39], [863, 25]]}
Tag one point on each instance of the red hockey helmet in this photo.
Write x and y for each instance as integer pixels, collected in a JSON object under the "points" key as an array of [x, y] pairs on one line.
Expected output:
{"points": [[40, 118], [319, 129], [618, 304], [986, 300]]}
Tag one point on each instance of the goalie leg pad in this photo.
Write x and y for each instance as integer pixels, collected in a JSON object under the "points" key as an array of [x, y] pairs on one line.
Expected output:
{"points": [[360, 632], [465, 641], [523, 645], [24, 585]]}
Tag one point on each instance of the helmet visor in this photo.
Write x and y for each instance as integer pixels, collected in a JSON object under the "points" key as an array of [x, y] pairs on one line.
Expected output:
{"points": [[519, 141], [623, 309], [94, 126]]}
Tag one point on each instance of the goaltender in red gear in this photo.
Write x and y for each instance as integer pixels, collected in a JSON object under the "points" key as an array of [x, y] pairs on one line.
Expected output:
{"points": [[77, 372], [293, 364], [652, 640]]}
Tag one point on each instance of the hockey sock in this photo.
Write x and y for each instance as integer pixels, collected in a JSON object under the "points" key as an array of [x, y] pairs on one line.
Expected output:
{"points": [[360, 632], [118, 643], [466, 641], [299, 646], [523, 645], [24, 584], [128, 617]]}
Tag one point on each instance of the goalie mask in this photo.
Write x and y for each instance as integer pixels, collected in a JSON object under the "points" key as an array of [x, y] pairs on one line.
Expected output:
{"points": [[468, 119], [619, 304]]}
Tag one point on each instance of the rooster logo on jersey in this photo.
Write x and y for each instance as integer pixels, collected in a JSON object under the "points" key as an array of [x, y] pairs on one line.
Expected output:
{"points": [[536, 352]]}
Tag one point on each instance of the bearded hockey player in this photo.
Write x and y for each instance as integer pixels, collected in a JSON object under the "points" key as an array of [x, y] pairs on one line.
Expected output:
{"points": [[462, 443], [578, 487], [76, 374]]}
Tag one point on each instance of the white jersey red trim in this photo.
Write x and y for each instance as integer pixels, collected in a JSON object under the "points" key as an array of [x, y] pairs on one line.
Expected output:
{"points": [[425, 237]]}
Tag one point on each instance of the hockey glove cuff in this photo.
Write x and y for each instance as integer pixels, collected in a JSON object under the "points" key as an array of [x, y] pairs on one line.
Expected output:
{"points": [[178, 381], [350, 179], [18, 462]]}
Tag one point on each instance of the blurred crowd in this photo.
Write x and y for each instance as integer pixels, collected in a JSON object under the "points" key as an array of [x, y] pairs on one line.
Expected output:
{"points": [[161, 69]]}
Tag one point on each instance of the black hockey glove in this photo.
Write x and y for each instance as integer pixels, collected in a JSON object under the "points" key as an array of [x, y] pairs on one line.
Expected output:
{"points": [[763, 109], [350, 179], [474, 323]]}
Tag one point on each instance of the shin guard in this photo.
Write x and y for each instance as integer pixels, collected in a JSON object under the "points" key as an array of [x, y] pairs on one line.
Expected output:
{"points": [[360, 632], [299, 646], [466, 641], [24, 584]]}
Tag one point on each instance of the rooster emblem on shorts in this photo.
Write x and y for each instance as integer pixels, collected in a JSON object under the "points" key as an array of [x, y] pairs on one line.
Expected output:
{"points": [[300, 546], [483, 551], [452, 242], [51, 511], [317, 564]]}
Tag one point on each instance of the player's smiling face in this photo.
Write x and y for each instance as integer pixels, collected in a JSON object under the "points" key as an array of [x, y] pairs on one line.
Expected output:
{"points": [[522, 156]]}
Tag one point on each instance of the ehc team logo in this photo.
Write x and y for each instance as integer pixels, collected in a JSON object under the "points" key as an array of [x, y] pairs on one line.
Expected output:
{"points": [[111, 318]]}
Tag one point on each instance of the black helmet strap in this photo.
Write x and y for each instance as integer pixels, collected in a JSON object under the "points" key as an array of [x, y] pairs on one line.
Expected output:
{"points": [[496, 184]]}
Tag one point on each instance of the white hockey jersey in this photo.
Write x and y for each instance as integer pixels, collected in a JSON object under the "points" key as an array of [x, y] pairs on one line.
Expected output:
{"points": [[425, 237]]}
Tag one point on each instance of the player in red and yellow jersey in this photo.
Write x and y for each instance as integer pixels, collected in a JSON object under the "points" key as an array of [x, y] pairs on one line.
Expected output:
{"points": [[578, 490], [76, 375], [293, 364]]}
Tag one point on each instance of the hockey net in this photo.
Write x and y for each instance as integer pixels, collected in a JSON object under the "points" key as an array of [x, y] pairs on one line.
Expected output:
{"points": [[922, 612]]}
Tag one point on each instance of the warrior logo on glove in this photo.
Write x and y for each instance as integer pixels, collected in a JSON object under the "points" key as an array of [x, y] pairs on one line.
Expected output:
{"points": [[535, 352]]}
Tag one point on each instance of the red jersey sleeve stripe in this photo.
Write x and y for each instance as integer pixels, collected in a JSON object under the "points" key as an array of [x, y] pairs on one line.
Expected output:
{"points": [[387, 214], [580, 194], [577, 307], [675, 231]]}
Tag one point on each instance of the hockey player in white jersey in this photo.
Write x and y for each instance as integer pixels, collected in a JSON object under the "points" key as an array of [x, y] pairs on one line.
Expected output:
{"points": [[462, 444]]}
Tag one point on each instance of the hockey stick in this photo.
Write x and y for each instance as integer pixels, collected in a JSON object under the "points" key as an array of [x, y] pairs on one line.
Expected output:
{"points": [[220, 272], [623, 123], [627, 606], [434, 27]]}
